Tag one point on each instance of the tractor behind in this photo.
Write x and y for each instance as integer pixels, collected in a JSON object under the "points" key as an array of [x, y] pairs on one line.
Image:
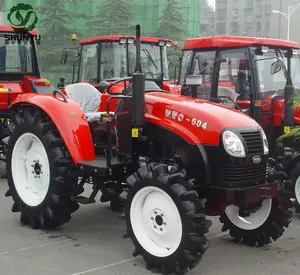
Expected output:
{"points": [[19, 72], [172, 160], [256, 76], [109, 58]]}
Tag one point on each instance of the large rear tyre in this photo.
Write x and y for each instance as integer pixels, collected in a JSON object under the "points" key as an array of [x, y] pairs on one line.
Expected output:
{"points": [[40, 172], [264, 225], [165, 219]]}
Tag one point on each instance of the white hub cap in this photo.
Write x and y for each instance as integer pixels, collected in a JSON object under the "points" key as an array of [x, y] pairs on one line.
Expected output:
{"points": [[255, 220], [156, 221], [30, 169], [297, 189]]}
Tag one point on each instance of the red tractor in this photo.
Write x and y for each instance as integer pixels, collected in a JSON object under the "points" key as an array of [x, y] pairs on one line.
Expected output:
{"points": [[19, 72], [256, 76], [109, 58], [171, 159]]}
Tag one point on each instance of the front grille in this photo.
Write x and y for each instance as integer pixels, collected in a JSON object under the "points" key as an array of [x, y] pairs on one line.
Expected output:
{"points": [[243, 173], [254, 142]]}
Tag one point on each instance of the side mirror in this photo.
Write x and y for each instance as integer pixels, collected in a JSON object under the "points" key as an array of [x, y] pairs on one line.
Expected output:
{"points": [[64, 58], [102, 86], [276, 67], [193, 80], [61, 83], [62, 79]]}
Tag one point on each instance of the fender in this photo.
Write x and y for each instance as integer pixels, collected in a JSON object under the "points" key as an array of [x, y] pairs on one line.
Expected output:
{"points": [[69, 120]]}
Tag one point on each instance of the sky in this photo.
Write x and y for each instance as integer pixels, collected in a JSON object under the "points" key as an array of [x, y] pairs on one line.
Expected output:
{"points": [[212, 3]]}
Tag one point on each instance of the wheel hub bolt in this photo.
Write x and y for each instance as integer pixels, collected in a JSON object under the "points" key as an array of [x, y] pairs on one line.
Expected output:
{"points": [[154, 226], [152, 218], [161, 229]]}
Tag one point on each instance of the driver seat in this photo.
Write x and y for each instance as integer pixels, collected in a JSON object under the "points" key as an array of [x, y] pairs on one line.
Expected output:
{"points": [[87, 96]]}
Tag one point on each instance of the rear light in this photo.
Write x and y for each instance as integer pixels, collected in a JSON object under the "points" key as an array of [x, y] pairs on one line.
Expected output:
{"points": [[161, 43], [168, 44], [4, 90], [42, 83]]}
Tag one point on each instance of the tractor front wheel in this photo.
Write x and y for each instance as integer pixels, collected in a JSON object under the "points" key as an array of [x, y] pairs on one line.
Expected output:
{"points": [[40, 172], [262, 225], [165, 219]]}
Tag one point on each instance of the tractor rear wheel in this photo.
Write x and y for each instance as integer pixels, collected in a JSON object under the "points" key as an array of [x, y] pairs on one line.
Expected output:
{"points": [[40, 172], [263, 224], [295, 177], [165, 219]]}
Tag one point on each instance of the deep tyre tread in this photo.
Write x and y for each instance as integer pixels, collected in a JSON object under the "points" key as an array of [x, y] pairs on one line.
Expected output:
{"points": [[193, 243], [57, 207], [272, 229], [294, 174]]}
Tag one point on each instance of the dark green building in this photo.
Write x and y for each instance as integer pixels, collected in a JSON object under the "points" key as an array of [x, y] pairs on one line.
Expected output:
{"points": [[147, 14]]}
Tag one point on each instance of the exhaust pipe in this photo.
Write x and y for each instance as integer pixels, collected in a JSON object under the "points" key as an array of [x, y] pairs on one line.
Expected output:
{"points": [[138, 86]]}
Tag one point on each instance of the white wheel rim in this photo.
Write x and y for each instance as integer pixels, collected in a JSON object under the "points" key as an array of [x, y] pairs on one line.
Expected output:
{"points": [[255, 220], [155, 221], [297, 189], [30, 169]]}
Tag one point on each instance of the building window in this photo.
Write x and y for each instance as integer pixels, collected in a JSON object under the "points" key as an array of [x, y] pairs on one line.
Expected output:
{"points": [[258, 26], [248, 11], [258, 10], [221, 13], [248, 2], [220, 28], [203, 27], [235, 12], [267, 26], [234, 27], [248, 27], [268, 9]]}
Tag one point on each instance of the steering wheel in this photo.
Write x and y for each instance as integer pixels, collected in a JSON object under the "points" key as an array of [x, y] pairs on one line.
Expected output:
{"points": [[125, 79]]}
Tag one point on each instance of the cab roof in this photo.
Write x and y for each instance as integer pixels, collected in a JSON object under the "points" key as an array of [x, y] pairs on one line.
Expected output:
{"points": [[116, 38], [235, 41], [7, 28]]}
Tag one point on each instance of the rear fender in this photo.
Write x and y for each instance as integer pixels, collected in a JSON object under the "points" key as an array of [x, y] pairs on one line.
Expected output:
{"points": [[69, 120]]}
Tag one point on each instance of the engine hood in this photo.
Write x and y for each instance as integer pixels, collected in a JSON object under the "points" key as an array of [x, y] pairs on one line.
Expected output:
{"points": [[197, 121]]}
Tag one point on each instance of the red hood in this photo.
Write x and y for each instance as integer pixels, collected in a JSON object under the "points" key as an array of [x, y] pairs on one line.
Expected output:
{"points": [[198, 121]]}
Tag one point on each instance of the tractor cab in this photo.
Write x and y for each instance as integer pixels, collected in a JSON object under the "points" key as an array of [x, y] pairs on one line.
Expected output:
{"points": [[109, 58], [253, 75]]}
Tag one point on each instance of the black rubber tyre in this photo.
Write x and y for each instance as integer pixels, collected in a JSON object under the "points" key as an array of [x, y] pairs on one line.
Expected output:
{"points": [[194, 224], [57, 206], [273, 228], [294, 175]]}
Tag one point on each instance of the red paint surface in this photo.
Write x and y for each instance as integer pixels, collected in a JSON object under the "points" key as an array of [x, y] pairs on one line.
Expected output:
{"points": [[7, 28], [235, 41], [69, 120], [144, 39]]}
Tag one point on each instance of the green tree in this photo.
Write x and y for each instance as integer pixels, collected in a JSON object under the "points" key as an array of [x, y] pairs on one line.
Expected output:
{"points": [[171, 22], [170, 27], [295, 131], [54, 18], [114, 18]]}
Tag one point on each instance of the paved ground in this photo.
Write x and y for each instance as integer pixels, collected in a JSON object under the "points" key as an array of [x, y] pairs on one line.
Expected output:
{"points": [[92, 244]]}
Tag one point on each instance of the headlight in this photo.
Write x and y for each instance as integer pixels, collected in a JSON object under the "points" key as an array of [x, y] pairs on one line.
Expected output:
{"points": [[233, 144], [265, 142]]}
